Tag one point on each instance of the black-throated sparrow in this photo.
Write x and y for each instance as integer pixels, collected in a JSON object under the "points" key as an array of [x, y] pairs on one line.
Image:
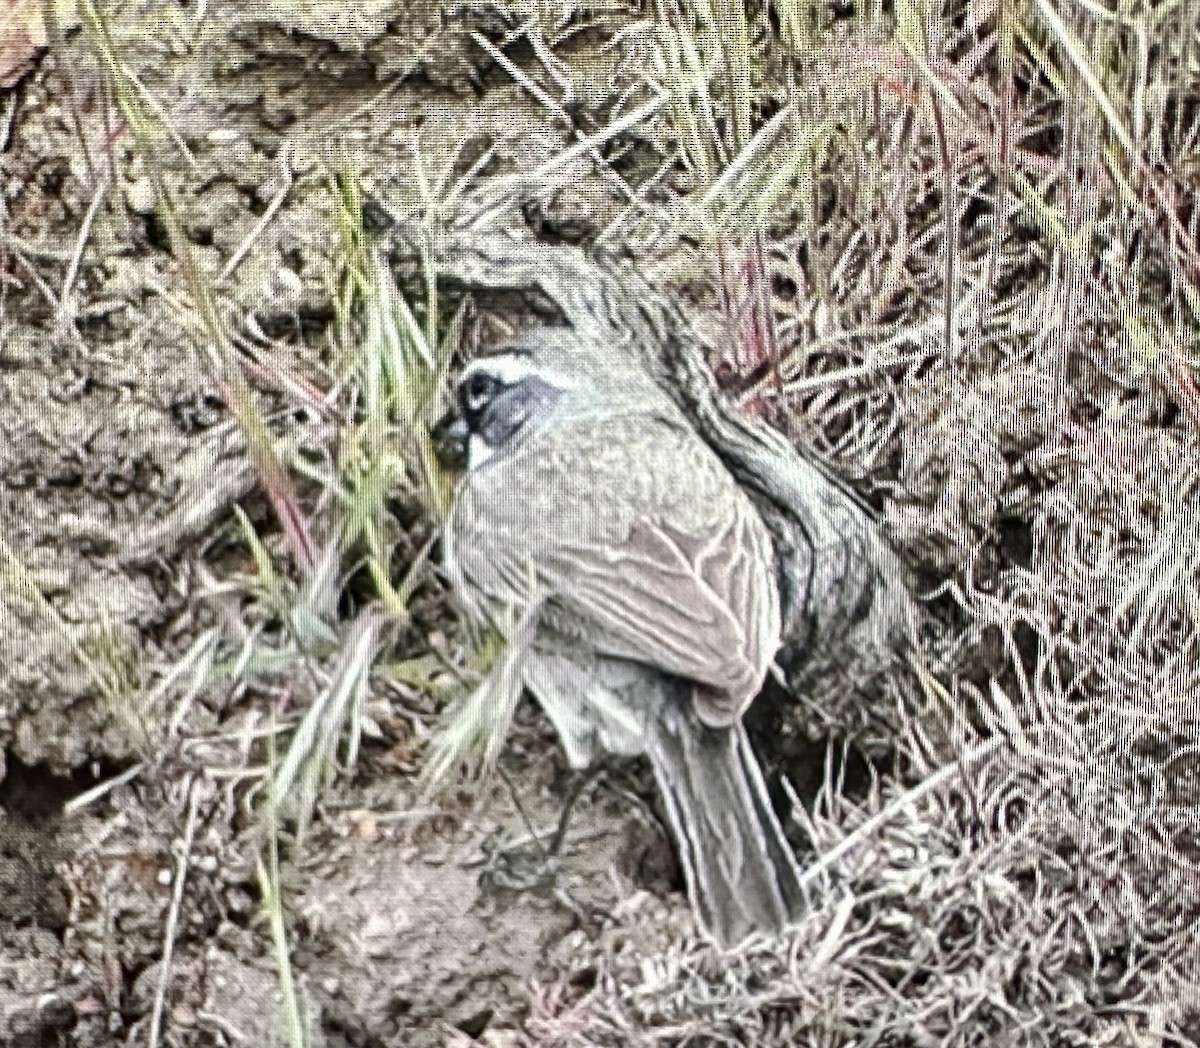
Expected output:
{"points": [[591, 508]]}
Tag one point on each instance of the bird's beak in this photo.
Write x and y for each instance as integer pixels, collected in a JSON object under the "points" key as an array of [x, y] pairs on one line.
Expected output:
{"points": [[449, 436]]}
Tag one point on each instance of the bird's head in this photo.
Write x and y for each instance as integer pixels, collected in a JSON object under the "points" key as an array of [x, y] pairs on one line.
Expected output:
{"points": [[500, 400], [543, 380]]}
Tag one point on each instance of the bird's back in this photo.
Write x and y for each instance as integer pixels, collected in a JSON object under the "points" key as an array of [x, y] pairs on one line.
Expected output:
{"points": [[639, 541]]}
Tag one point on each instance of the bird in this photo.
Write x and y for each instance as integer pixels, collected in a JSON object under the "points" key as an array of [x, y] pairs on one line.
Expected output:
{"points": [[590, 510], [851, 629]]}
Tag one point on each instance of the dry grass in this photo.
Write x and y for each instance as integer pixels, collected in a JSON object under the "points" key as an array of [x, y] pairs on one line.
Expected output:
{"points": [[953, 252], [978, 244]]}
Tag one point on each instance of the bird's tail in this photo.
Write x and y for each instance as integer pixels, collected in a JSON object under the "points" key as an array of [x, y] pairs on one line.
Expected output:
{"points": [[741, 874]]}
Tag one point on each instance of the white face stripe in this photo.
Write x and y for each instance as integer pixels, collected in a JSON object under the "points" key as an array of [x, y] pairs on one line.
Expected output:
{"points": [[511, 368], [478, 451]]}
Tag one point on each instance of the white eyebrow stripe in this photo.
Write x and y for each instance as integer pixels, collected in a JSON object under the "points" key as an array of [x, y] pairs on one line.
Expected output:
{"points": [[512, 368]]}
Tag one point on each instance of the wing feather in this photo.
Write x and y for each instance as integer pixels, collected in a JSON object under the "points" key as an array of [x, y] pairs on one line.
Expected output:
{"points": [[706, 618], [660, 560]]}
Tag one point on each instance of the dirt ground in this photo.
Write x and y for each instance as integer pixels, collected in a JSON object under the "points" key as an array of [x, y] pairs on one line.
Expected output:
{"points": [[138, 914], [120, 468]]}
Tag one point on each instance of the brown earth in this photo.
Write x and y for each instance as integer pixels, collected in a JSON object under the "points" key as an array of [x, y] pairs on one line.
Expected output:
{"points": [[409, 921]]}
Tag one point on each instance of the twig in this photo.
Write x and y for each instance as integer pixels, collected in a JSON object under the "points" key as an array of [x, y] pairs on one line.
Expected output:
{"points": [[277, 200], [81, 244], [889, 811], [76, 804], [164, 972]]}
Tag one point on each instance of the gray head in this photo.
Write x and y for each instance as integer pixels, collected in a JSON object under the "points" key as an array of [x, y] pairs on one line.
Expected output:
{"points": [[538, 381]]}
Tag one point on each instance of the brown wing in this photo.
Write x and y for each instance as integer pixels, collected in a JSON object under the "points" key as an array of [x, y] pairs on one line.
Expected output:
{"points": [[644, 545], [701, 606]]}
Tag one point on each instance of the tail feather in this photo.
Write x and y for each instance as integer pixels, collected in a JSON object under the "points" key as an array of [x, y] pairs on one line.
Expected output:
{"points": [[741, 874]]}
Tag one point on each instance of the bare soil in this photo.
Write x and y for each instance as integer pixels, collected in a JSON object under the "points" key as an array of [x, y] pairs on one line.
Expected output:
{"points": [[410, 921], [118, 468]]}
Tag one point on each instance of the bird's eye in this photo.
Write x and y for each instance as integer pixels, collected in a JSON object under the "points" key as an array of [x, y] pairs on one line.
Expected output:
{"points": [[478, 390]]}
